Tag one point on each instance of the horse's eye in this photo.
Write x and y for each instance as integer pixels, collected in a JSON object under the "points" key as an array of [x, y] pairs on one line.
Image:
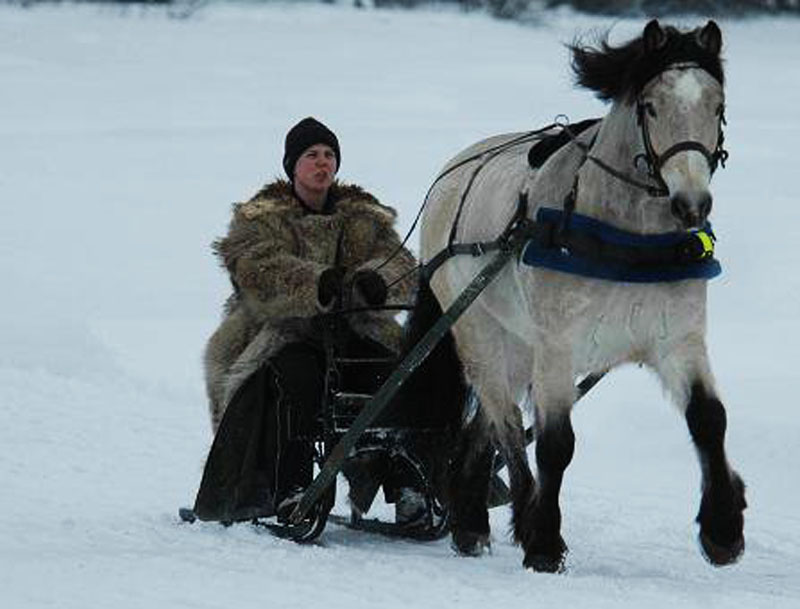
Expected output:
{"points": [[650, 108]]}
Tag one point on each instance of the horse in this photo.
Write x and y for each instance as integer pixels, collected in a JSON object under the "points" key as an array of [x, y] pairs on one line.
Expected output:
{"points": [[641, 174]]}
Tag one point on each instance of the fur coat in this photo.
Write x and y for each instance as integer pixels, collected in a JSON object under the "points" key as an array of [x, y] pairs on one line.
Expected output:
{"points": [[275, 252]]}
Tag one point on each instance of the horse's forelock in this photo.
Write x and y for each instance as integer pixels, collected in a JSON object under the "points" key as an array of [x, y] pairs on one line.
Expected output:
{"points": [[621, 72]]}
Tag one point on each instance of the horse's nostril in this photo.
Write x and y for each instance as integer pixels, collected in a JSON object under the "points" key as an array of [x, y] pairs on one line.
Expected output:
{"points": [[705, 205], [680, 208], [691, 214]]}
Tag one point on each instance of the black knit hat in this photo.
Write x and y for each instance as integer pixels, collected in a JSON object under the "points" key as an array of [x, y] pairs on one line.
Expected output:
{"points": [[302, 136]]}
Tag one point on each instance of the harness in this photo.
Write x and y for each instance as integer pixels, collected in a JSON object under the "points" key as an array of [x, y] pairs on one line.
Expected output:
{"points": [[594, 249]]}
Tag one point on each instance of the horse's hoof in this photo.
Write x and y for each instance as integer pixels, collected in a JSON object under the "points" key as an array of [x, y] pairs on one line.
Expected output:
{"points": [[470, 544], [720, 555], [544, 563], [551, 561]]}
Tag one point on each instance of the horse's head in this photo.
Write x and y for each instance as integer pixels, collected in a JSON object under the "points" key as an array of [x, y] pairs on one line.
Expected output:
{"points": [[680, 112], [671, 82]]}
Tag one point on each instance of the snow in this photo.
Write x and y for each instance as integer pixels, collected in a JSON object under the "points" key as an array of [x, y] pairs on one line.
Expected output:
{"points": [[125, 136]]}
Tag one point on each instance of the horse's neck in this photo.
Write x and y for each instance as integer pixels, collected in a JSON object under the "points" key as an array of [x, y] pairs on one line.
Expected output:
{"points": [[610, 199]]}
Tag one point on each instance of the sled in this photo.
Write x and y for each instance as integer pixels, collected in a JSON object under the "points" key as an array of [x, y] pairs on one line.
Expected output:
{"points": [[347, 430]]}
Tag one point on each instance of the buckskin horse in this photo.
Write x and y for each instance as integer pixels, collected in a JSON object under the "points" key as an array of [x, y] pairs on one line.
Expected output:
{"points": [[615, 271]]}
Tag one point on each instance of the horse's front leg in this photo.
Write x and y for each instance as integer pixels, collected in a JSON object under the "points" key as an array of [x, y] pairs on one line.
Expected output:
{"points": [[720, 517], [540, 533]]}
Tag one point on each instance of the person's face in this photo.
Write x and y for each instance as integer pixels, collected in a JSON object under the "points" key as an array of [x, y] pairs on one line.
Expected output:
{"points": [[316, 168]]}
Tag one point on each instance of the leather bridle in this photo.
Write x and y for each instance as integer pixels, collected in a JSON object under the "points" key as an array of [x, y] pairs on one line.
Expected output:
{"points": [[655, 161], [652, 159]]}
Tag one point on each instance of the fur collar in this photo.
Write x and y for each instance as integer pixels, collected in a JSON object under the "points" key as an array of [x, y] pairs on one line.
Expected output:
{"points": [[282, 189], [348, 199]]}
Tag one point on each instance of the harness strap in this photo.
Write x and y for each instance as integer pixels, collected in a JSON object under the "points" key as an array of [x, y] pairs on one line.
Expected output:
{"points": [[712, 158], [516, 231], [550, 144], [474, 249], [659, 190], [653, 191], [485, 158], [486, 155]]}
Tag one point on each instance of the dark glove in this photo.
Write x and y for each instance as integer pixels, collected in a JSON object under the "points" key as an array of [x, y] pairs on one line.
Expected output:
{"points": [[371, 285], [330, 285]]}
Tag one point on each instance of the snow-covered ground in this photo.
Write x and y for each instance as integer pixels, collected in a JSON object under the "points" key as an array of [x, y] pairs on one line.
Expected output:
{"points": [[124, 137]]}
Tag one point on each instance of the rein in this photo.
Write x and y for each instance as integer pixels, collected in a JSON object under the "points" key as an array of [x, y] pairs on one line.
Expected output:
{"points": [[653, 190], [485, 156]]}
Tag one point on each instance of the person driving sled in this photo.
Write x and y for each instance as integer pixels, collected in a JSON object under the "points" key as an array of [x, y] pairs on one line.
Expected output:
{"points": [[295, 251]]}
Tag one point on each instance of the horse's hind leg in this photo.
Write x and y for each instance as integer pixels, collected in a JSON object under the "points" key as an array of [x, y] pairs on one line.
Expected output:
{"points": [[468, 488], [511, 439], [488, 363], [720, 517]]}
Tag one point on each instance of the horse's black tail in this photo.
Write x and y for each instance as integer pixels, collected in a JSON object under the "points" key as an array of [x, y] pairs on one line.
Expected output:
{"points": [[437, 390], [433, 398], [460, 456]]}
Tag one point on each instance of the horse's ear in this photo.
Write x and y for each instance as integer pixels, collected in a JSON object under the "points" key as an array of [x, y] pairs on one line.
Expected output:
{"points": [[710, 37], [654, 36]]}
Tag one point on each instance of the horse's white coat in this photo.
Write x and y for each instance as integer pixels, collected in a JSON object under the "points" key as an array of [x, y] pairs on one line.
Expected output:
{"points": [[545, 329]]}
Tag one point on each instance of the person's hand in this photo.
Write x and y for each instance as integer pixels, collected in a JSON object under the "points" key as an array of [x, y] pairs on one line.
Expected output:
{"points": [[329, 285], [371, 285]]}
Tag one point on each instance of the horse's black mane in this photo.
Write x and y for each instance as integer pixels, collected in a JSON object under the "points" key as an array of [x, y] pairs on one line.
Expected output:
{"points": [[620, 72]]}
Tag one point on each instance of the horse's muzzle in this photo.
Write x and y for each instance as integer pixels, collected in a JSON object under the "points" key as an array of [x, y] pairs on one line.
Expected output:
{"points": [[692, 212]]}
